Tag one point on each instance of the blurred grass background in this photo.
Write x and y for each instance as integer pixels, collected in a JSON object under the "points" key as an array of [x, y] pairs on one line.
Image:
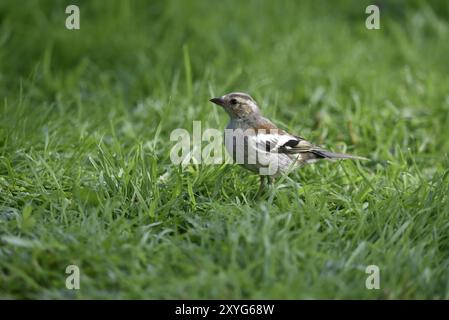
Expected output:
{"points": [[86, 179]]}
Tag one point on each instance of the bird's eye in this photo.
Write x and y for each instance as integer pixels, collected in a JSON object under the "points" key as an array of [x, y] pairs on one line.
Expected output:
{"points": [[233, 101]]}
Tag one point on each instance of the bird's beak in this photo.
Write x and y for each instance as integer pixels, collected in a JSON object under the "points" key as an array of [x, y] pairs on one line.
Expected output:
{"points": [[219, 101]]}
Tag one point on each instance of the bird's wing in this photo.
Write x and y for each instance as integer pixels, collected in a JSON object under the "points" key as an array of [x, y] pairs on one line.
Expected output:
{"points": [[297, 146], [312, 152], [274, 140]]}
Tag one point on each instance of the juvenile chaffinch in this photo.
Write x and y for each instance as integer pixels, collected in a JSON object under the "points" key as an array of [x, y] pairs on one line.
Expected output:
{"points": [[258, 145]]}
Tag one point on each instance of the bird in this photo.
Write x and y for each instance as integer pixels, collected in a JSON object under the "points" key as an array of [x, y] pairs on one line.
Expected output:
{"points": [[258, 145]]}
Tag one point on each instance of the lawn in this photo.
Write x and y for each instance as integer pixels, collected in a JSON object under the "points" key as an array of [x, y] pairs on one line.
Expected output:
{"points": [[85, 171]]}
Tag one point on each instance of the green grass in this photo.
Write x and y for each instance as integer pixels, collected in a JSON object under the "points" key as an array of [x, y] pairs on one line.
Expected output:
{"points": [[86, 178]]}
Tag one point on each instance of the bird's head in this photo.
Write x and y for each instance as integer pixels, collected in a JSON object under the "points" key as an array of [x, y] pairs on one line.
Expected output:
{"points": [[237, 105]]}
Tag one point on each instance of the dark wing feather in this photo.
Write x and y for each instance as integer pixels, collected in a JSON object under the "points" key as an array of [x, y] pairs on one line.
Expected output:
{"points": [[272, 139], [310, 152]]}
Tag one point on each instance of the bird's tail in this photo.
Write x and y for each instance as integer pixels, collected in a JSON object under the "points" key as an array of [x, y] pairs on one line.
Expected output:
{"points": [[332, 155]]}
